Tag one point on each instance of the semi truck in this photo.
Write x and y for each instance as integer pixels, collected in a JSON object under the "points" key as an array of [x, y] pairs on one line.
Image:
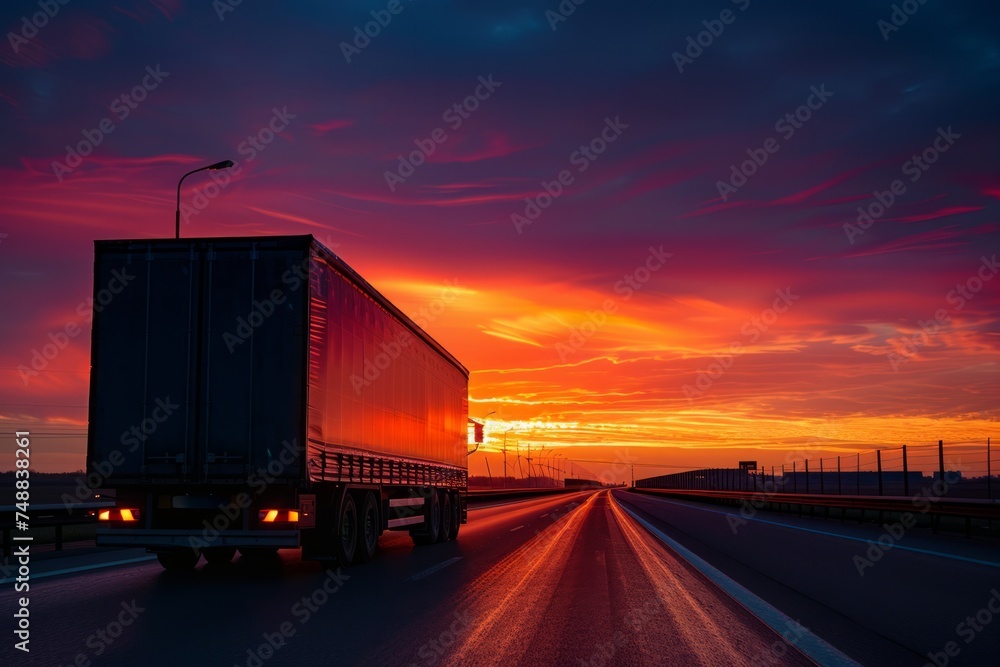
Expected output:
{"points": [[255, 393]]}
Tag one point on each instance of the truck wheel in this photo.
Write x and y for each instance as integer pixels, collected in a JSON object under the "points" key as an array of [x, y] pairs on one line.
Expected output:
{"points": [[432, 522], [345, 532], [179, 560], [368, 528], [445, 533], [219, 555], [456, 516]]}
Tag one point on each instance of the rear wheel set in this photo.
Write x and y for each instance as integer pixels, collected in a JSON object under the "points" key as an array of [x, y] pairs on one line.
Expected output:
{"points": [[356, 531], [443, 516]]}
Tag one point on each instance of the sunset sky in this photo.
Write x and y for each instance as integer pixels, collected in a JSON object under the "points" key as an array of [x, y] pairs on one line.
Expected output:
{"points": [[601, 321]]}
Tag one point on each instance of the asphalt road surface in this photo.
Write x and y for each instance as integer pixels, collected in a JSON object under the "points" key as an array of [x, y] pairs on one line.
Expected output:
{"points": [[558, 580], [574, 579]]}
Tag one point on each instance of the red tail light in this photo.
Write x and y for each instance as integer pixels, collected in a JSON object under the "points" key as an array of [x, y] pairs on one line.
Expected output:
{"points": [[127, 514], [278, 516]]}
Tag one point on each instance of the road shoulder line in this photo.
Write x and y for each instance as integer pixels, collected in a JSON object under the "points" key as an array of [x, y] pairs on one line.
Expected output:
{"points": [[434, 568], [812, 646], [82, 568], [852, 538]]}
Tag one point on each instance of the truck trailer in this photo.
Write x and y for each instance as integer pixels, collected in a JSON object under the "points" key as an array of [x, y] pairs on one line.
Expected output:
{"points": [[256, 393]]}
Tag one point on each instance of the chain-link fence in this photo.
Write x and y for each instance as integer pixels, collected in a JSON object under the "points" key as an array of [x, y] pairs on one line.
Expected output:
{"points": [[958, 470]]}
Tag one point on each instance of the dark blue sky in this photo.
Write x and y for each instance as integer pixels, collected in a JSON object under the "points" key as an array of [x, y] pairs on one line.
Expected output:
{"points": [[316, 138]]}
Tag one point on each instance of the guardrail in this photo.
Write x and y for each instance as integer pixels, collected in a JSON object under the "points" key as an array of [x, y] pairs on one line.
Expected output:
{"points": [[40, 516], [58, 515], [501, 494], [933, 506]]}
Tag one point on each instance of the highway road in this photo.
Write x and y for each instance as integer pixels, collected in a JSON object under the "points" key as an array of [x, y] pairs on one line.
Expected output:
{"points": [[578, 579], [882, 606]]}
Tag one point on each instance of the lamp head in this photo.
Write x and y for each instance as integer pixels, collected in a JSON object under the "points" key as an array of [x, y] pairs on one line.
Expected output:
{"points": [[225, 164]]}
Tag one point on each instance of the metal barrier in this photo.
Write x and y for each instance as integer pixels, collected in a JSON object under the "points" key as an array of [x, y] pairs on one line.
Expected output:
{"points": [[46, 516], [933, 506], [501, 494], [960, 470]]}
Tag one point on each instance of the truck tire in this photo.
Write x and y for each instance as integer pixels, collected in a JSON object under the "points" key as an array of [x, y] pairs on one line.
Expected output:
{"points": [[456, 516], [178, 560], [345, 531], [368, 528], [444, 534], [428, 534], [218, 555]]}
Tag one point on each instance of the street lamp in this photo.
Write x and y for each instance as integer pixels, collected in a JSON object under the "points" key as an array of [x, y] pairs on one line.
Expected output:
{"points": [[476, 448], [547, 466], [505, 455], [225, 164]]}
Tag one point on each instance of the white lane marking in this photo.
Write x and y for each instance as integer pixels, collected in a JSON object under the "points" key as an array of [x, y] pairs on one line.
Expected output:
{"points": [[901, 547], [813, 647], [82, 568], [431, 570], [518, 528]]}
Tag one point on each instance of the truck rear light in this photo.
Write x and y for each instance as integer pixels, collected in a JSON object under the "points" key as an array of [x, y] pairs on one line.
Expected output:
{"points": [[278, 516], [118, 514]]}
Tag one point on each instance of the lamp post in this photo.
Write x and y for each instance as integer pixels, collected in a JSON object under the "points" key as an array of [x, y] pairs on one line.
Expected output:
{"points": [[225, 164], [505, 456], [476, 448], [547, 466]]}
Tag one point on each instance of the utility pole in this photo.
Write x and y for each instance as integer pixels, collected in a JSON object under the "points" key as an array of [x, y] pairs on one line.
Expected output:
{"points": [[528, 458], [505, 456]]}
